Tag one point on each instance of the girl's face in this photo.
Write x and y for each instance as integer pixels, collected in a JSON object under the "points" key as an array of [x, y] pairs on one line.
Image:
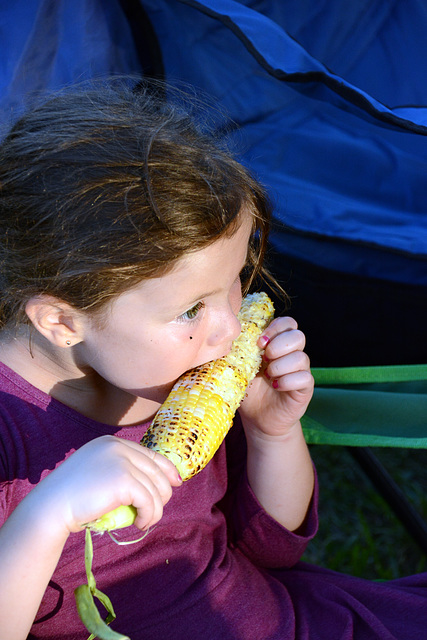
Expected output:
{"points": [[158, 330]]}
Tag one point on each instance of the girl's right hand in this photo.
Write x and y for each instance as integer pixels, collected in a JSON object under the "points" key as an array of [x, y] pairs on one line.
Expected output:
{"points": [[103, 474]]}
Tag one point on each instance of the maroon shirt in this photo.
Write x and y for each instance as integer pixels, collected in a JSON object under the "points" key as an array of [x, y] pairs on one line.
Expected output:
{"points": [[216, 567], [197, 573]]}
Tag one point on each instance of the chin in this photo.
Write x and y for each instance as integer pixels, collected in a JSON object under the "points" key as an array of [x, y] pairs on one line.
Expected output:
{"points": [[157, 393]]}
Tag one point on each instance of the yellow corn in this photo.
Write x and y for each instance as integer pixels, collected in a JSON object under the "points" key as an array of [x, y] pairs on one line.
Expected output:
{"points": [[196, 416]]}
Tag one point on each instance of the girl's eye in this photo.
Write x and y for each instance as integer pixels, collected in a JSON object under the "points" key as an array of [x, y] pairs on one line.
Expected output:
{"points": [[192, 313]]}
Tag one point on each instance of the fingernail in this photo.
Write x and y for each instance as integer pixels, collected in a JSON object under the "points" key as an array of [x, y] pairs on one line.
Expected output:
{"points": [[264, 357], [264, 341], [275, 384], [266, 375]]}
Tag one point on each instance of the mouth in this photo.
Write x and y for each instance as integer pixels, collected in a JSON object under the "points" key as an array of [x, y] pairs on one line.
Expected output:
{"points": [[224, 352], [227, 350], [220, 355]]}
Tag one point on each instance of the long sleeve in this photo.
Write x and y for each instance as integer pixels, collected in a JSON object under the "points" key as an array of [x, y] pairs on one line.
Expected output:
{"points": [[251, 529]]}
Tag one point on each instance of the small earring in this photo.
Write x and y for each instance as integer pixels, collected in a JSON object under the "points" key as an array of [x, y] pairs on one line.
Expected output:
{"points": [[68, 342]]}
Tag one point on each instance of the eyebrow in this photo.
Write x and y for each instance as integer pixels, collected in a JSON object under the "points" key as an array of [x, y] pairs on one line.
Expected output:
{"points": [[198, 298]]}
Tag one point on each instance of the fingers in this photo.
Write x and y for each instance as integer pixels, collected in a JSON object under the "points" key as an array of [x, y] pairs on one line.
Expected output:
{"points": [[108, 472], [283, 336], [150, 489], [161, 462], [154, 489], [287, 365], [301, 381], [150, 495]]}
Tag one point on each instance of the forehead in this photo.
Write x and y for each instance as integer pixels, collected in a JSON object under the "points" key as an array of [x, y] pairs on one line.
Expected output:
{"points": [[227, 249], [204, 272]]}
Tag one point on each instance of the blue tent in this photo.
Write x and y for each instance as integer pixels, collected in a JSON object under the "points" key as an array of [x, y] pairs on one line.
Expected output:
{"points": [[329, 105]]}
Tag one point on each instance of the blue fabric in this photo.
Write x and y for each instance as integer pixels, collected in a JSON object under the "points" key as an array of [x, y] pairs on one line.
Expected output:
{"points": [[340, 163], [47, 44], [329, 101]]}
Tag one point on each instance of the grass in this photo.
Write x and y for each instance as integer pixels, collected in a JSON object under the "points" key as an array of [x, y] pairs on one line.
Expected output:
{"points": [[359, 534]]}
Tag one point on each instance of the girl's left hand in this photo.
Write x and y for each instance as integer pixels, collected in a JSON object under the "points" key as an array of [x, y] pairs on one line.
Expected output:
{"points": [[279, 395]]}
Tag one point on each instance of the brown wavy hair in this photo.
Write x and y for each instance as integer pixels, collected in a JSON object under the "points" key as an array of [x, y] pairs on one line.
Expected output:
{"points": [[104, 186]]}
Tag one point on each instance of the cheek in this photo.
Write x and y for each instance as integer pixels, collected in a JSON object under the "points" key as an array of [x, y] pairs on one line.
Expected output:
{"points": [[236, 297], [176, 351]]}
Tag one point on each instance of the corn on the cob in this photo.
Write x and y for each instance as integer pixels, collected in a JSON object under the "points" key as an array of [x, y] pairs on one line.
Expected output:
{"points": [[196, 416]]}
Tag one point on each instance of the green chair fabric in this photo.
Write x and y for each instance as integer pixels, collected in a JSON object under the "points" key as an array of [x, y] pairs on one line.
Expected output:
{"points": [[384, 406]]}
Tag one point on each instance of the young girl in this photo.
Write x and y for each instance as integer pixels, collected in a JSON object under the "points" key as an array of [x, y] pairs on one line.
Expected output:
{"points": [[127, 235]]}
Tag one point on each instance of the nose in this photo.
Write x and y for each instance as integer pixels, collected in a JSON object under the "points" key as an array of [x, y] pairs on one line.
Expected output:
{"points": [[226, 329]]}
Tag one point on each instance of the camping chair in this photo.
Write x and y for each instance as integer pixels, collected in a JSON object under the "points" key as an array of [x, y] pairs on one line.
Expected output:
{"points": [[363, 407]]}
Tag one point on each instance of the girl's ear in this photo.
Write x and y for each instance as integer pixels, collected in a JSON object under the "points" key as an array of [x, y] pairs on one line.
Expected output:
{"points": [[56, 320]]}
